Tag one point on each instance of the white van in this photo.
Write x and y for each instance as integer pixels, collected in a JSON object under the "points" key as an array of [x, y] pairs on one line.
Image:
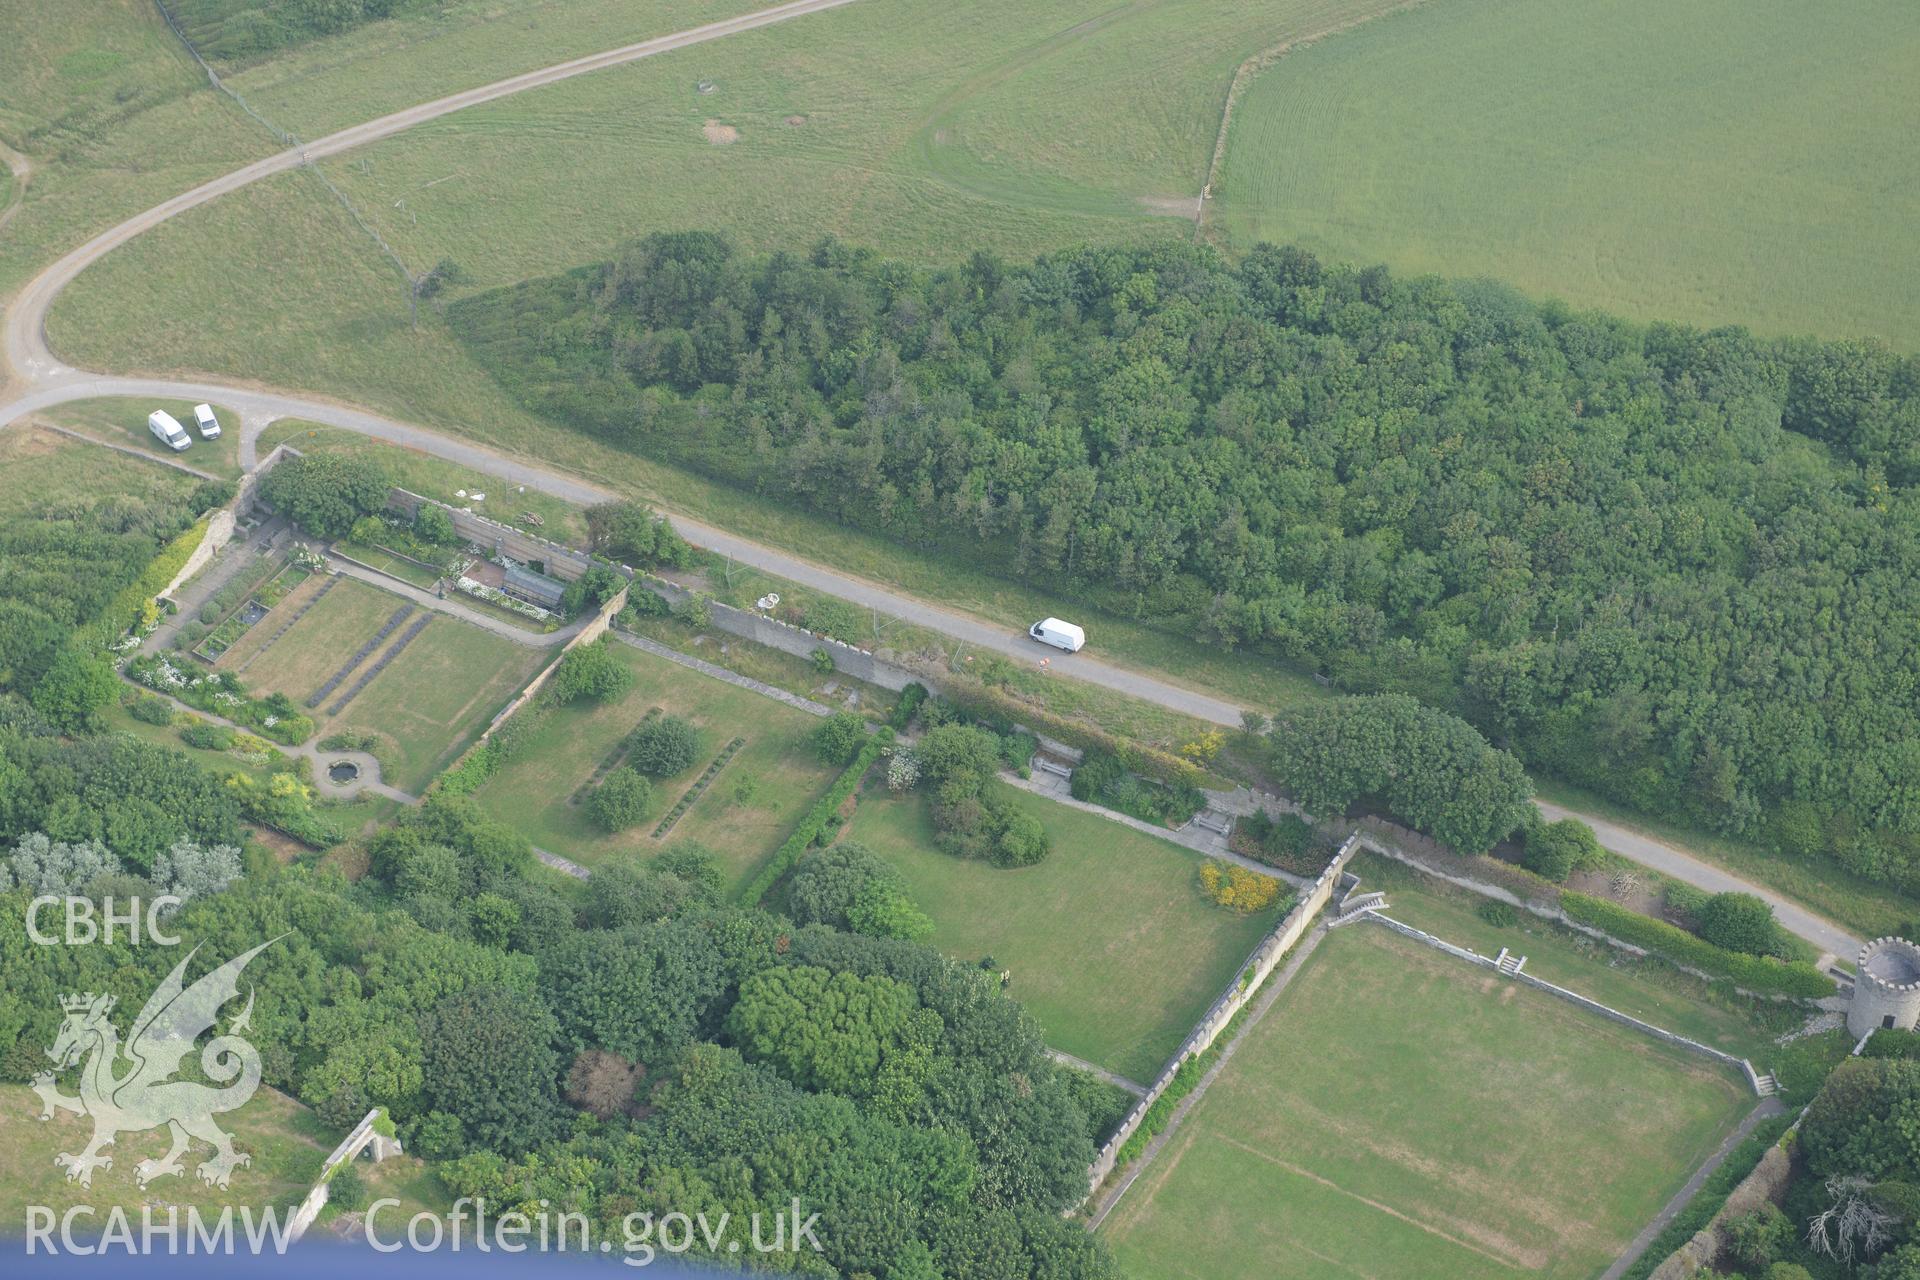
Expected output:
{"points": [[168, 431], [209, 425], [1061, 635]]}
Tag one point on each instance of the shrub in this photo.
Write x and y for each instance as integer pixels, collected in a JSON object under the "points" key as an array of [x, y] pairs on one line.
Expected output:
{"points": [[432, 524], [1757, 1237], [346, 1188], [1756, 973], [909, 705], [1739, 922], [325, 493], [1233, 886], [848, 887], [1501, 915], [207, 737], [663, 747], [620, 801], [148, 709], [1555, 850], [590, 671], [839, 736], [209, 612], [822, 661]]}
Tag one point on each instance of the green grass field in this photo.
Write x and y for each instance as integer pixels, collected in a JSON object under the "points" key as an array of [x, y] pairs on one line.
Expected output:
{"points": [[124, 422], [533, 791], [1719, 163], [1112, 944], [1648, 990], [426, 705], [436, 697], [286, 1141], [114, 116], [45, 470], [1399, 1113]]}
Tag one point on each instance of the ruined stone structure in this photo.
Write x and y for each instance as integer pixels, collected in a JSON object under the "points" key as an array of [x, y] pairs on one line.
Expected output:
{"points": [[1886, 995]]}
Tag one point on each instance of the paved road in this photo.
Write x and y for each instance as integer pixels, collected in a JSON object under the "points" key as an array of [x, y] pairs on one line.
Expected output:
{"points": [[48, 382], [1668, 860]]}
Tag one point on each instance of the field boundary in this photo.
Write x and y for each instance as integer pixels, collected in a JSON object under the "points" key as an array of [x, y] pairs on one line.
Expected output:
{"points": [[1243, 76], [1241, 989]]}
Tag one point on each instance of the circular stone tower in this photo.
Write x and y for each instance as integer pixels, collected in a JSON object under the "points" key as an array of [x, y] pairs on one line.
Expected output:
{"points": [[1887, 992]]}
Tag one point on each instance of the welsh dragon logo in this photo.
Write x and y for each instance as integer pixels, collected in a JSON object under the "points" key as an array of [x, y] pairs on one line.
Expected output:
{"points": [[126, 1089]]}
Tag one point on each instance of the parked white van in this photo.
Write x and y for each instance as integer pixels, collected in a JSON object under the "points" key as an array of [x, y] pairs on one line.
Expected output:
{"points": [[208, 424], [168, 431], [1061, 635]]}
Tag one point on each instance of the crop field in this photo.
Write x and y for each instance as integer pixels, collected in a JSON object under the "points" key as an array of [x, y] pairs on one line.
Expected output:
{"points": [[1719, 163], [45, 470], [1112, 944], [124, 422], [1400, 1113], [743, 815]]}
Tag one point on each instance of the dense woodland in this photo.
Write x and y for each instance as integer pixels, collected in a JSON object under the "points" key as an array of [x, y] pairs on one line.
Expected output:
{"points": [[1678, 567], [644, 1046], [63, 564]]}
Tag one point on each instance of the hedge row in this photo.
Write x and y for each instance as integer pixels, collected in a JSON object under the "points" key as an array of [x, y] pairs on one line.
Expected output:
{"points": [[991, 703], [1711, 1197], [126, 610], [464, 776], [1755, 973], [816, 819]]}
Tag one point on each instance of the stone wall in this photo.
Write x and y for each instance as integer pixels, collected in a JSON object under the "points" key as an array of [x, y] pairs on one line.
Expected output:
{"points": [[1766, 1184], [218, 533], [362, 1136], [1246, 982], [245, 495], [590, 630], [562, 562], [861, 664]]}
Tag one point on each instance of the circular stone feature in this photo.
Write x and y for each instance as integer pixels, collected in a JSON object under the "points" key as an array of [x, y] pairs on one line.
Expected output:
{"points": [[343, 771]]}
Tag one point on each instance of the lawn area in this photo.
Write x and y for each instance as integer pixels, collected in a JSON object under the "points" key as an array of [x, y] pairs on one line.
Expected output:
{"points": [[329, 633], [1724, 162], [1112, 944], [1399, 1113], [534, 790], [45, 470], [1647, 989], [124, 422], [435, 697], [286, 1141]]}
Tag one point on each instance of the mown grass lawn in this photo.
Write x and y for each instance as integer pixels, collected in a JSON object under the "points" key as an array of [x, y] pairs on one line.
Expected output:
{"points": [[742, 816], [315, 647], [1112, 944], [435, 698], [1400, 1113]]}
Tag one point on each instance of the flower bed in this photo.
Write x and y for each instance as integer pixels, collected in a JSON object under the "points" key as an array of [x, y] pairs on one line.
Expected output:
{"points": [[495, 596], [221, 694]]}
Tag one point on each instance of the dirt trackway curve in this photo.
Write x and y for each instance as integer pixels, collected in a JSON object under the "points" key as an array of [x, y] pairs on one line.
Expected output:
{"points": [[48, 382]]}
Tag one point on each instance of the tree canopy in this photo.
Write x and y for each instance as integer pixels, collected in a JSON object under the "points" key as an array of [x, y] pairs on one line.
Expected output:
{"points": [[1676, 567]]}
